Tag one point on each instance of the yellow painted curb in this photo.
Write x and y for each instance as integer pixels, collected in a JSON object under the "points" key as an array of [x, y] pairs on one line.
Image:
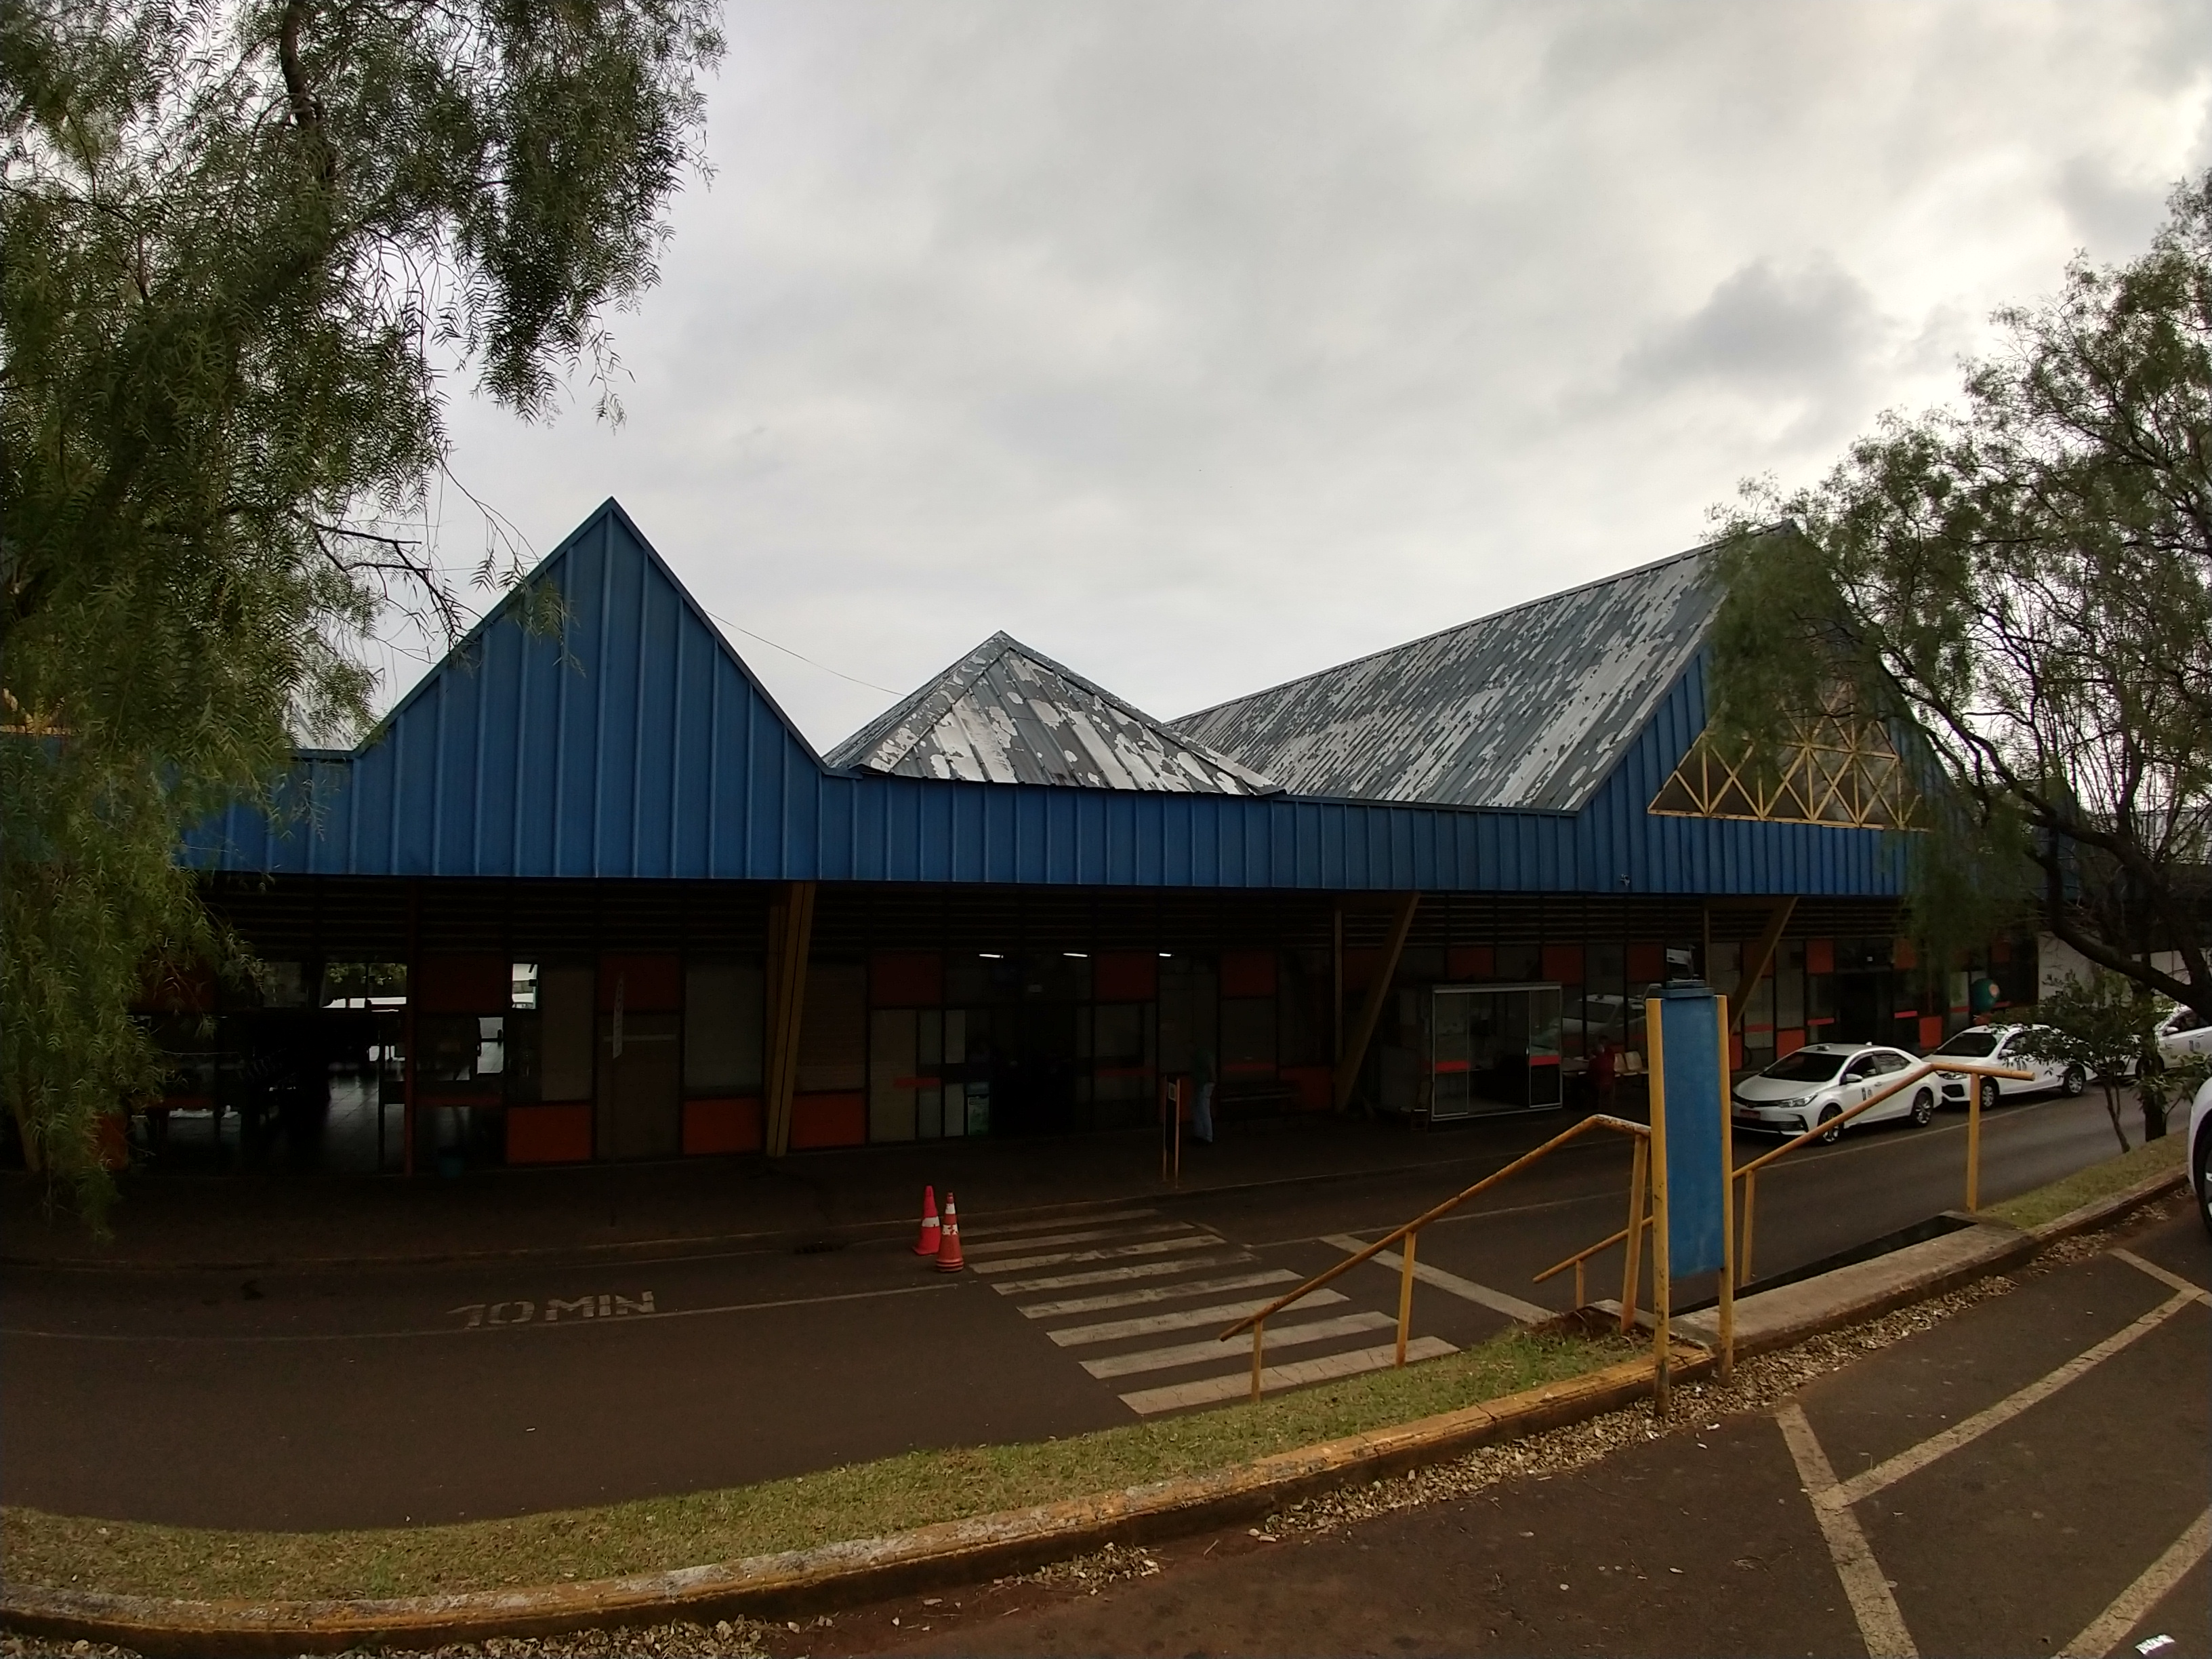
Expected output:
{"points": [[831, 1574]]}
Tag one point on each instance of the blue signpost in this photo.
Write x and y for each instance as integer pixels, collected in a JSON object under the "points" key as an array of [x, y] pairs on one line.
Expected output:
{"points": [[1691, 1161]]}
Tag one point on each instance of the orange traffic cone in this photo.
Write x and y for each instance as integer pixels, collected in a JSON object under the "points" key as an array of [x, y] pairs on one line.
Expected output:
{"points": [[948, 1259], [927, 1244]]}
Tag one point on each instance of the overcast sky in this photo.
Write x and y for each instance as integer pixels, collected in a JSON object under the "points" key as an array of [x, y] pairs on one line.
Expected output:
{"points": [[1198, 344]]}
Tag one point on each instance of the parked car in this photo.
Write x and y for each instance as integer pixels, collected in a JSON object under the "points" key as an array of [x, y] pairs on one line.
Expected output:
{"points": [[2001, 1045], [1807, 1087], [2181, 1035], [2200, 1152]]}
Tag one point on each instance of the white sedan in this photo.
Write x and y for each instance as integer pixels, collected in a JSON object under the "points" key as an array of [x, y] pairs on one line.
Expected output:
{"points": [[2200, 1152], [2000, 1045], [2182, 1034], [1808, 1086]]}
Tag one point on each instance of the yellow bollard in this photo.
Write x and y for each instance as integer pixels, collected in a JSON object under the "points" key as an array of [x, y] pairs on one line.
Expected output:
{"points": [[1974, 1145]]}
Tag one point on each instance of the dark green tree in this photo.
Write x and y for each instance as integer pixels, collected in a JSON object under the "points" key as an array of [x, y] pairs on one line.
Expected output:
{"points": [[2022, 585], [243, 251], [2103, 1023]]}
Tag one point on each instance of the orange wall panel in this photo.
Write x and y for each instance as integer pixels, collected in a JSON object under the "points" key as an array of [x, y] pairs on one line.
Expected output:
{"points": [[1819, 956], [721, 1126], [1931, 1030], [1646, 963], [1471, 961], [463, 985], [1788, 1042], [838, 1120], [550, 1134], [650, 984], [1310, 1086], [1125, 976], [1248, 973], [906, 979], [1564, 962]]}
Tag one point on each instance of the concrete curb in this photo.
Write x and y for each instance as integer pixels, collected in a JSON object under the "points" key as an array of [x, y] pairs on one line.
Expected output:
{"points": [[832, 1574], [2098, 1212]]}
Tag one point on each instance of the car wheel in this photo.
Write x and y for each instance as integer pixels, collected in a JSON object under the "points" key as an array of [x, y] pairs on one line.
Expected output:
{"points": [[1923, 1108], [2074, 1082], [1836, 1132], [2204, 1177], [1992, 1095]]}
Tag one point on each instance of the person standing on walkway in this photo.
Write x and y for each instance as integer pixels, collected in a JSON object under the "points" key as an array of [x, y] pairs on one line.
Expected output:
{"points": [[1201, 1111]]}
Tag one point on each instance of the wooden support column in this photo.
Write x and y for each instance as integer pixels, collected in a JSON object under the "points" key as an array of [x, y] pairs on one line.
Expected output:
{"points": [[790, 930], [1760, 959], [1355, 1049]]}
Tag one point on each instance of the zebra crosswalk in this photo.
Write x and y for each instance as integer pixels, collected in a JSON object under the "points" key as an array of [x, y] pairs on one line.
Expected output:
{"points": [[1143, 1288]]}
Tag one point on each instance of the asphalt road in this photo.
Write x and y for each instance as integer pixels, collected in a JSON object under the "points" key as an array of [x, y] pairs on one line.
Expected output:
{"points": [[308, 1401], [2028, 1477]]}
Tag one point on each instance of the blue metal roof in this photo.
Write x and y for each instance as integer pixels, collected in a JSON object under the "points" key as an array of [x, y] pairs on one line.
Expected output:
{"points": [[638, 744]]}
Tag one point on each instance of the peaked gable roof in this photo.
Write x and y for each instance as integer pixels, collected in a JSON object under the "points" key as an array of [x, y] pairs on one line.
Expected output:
{"points": [[1529, 707], [1005, 713]]}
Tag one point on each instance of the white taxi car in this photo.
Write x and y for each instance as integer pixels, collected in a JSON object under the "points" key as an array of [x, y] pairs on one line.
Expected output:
{"points": [[1808, 1086], [2183, 1035], [2200, 1152], [2000, 1045]]}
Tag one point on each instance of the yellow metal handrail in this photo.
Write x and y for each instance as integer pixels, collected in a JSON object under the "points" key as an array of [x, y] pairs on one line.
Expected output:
{"points": [[1748, 1173], [1580, 1258], [1256, 1322]]}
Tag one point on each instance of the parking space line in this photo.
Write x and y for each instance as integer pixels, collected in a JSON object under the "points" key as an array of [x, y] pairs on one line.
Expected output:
{"points": [[1913, 1458], [2110, 1628], [1882, 1625], [1202, 1354], [1113, 1330], [1526, 1313], [2188, 1288]]}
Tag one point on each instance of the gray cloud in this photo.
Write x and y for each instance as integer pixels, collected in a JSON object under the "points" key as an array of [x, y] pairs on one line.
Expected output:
{"points": [[1200, 345]]}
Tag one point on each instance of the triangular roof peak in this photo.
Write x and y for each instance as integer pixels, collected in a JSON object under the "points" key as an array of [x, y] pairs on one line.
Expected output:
{"points": [[1006, 713]]}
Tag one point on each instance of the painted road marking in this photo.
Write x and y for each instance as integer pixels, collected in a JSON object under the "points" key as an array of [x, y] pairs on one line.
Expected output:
{"points": [[1103, 1253], [482, 1315], [1221, 1313], [2187, 1287], [1200, 1353], [1208, 1391], [1152, 1293], [1000, 1247], [1118, 1275], [1526, 1313], [1882, 1627], [1865, 1485], [2110, 1628], [1007, 1230]]}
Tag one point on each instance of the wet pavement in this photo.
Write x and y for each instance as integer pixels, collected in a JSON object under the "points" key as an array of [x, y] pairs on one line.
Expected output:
{"points": [[2029, 1476], [317, 1397]]}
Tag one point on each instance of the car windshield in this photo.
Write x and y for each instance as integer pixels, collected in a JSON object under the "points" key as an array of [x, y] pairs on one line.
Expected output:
{"points": [[1804, 1067], [1971, 1045]]}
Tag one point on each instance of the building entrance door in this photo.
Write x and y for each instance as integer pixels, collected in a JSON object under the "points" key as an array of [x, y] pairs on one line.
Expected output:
{"points": [[641, 1094], [1493, 1048]]}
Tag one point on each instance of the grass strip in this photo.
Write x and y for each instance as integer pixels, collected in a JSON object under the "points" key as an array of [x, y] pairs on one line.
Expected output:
{"points": [[2032, 1209], [863, 1500]]}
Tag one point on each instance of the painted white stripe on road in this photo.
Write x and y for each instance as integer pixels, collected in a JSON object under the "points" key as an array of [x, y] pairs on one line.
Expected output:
{"points": [[1528, 1313], [1113, 1330], [1913, 1458], [1151, 1293], [2110, 1628], [1047, 1240], [1201, 1353], [1882, 1627], [1008, 1229], [1116, 1275], [1064, 1258], [2187, 1287], [1208, 1391]]}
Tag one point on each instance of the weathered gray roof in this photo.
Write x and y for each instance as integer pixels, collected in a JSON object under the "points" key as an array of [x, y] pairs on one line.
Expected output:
{"points": [[1004, 713], [1528, 707]]}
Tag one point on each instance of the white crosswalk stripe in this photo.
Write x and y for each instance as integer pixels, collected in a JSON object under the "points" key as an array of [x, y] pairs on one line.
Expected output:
{"points": [[1131, 1260]]}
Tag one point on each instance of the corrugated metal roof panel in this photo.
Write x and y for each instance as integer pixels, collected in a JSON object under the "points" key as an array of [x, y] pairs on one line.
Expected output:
{"points": [[1529, 708], [1005, 713]]}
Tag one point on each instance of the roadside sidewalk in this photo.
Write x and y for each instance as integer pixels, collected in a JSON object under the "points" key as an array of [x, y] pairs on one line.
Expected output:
{"points": [[259, 1221]]}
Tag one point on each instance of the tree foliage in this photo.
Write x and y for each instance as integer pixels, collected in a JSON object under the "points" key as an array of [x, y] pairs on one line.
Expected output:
{"points": [[2023, 583], [243, 248], [2103, 1023]]}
